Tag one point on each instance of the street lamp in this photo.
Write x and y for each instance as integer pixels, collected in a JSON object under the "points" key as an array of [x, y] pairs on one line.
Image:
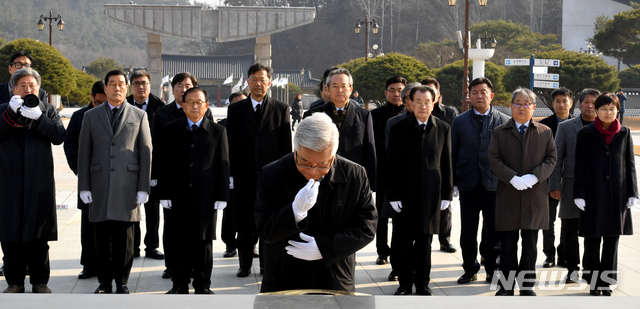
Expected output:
{"points": [[50, 19], [374, 28], [493, 42], [465, 79]]}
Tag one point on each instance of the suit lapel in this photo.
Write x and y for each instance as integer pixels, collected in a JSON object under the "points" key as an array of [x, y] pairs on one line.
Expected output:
{"points": [[267, 110], [348, 117], [104, 118], [124, 117], [577, 125], [248, 111]]}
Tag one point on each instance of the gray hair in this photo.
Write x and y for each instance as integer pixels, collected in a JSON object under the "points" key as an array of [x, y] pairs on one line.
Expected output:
{"points": [[17, 75], [587, 91], [525, 92], [408, 88], [337, 72], [317, 133]]}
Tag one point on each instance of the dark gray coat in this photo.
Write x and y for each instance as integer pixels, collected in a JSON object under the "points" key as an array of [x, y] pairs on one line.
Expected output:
{"points": [[562, 176]]}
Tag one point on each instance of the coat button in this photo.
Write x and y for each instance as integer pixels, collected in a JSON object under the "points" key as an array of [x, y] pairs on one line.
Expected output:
{"points": [[190, 185], [113, 157], [113, 169], [191, 165], [113, 144], [608, 177], [193, 145], [607, 153]]}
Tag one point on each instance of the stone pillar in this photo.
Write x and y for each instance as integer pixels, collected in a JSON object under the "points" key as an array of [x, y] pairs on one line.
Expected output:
{"points": [[154, 62], [263, 50]]}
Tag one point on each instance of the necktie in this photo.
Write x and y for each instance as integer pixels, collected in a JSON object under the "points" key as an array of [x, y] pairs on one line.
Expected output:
{"points": [[194, 127], [522, 128], [114, 118], [423, 127], [258, 113], [138, 105], [340, 113]]}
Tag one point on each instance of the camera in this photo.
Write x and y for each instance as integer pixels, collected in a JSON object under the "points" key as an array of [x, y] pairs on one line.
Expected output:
{"points": [[31, 100]]}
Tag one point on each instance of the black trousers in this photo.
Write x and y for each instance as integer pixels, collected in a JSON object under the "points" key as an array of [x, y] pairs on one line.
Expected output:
{"points": [[600, 263], [509, 265], [412, 254], [382, 232], [166, 241], [195, 254], [569, 241], [20, 255], [152, 216], [88, 256], [246, 241], [444, 234], [549, 235], [228, 232], [114, 246], [471, 204]]}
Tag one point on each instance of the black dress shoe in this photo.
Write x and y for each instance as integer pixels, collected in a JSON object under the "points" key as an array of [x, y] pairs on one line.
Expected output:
{"points": [[178, 290], [230, 253], [594, 292], [549, 262], [426, 291], [40, 288], [562, 263], [166, 274], [154, 254], [403, 290], [243, 272], [482, 260], [14, 289], [381, 260], [2, 270], [203, 291], [503, 292], [488, 278], [467, 277], [527, 293], [122, 289], [572, 277], [448, 247], [103, 289], [606, 292], [85, 274], [392, 276]]}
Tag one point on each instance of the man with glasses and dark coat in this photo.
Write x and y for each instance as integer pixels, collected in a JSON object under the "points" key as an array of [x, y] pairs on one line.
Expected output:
{"points": [[19, 60], [314, 211]]}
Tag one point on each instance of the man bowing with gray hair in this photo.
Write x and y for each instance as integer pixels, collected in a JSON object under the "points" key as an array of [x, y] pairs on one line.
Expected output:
{"points": [[314, 210]]}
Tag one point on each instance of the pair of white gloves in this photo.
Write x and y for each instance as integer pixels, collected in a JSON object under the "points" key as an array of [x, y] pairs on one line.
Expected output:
{"points": [[305, 200], [582, 204], [397, 205], [141, 197], [29, 112], [167, 204], [525, 182]]}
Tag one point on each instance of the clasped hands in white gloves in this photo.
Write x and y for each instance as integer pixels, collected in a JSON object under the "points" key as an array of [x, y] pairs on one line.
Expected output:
{"points": [[580, 203], [307, 250], [525, 182], [219, 205], [305, 199]]}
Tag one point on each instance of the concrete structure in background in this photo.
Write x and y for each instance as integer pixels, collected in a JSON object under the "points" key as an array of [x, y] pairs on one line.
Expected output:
{"points": [[578, 22], [224, 24]]}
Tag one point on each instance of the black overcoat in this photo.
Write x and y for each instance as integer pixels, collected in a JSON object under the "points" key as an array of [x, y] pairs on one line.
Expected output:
{"points": [[342, 221], [27, 193], [605, 177], [357, 142], [73, 133], [421, 172], [153, 105], [251, 147], [194, 175]]}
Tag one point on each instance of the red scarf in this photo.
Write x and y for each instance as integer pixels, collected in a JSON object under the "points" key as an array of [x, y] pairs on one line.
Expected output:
{"points": [[607, 134]]}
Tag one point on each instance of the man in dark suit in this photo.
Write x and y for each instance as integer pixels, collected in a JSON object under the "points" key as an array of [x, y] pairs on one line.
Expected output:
{"points": [[19, 60], [193, 185], [142, 98], [420, 186], [88, 257], [114, 169], [259, 132], [355, 124], [180, 83], [380, 116], [446, 114], [562, 102]]}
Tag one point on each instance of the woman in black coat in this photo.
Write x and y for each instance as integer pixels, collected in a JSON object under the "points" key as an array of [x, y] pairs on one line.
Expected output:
{"points": [[296, 110], [605, 188]]}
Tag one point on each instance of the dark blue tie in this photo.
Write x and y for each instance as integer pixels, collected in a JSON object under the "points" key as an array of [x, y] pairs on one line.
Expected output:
{"points": [[194, 127], [522, 129]]}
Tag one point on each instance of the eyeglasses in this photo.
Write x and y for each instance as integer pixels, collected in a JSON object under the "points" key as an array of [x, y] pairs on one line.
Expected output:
{"points": [[24, 87], [138, 84], [114, 86], [20, 65], [525, 105], [318, 168], [195, 103], [263, 81]]}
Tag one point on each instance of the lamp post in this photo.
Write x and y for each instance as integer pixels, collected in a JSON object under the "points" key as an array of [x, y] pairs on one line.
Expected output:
{"points": [[50, 19], [374, 27], [465, 78]]}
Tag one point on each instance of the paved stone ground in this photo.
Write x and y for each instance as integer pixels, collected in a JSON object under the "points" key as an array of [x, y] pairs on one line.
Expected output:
{"points": [[370, 278]]}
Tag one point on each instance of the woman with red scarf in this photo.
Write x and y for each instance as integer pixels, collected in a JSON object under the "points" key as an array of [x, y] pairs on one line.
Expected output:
{"points": [[605, 188]]}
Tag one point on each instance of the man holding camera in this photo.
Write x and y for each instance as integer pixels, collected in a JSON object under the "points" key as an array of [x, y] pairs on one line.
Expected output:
{"points": [[27, 129]]}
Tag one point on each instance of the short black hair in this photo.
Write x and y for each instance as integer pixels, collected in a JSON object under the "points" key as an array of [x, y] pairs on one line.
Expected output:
{"points": [[178, 78], [481, 80], [139, 73], [606, 99], [98, 87], [113, 73], [194, 89], [587, 91], [395, 79], [235, 95], [431, 80], [259, 67], [22, 53], [422, 89], [562, 91]]}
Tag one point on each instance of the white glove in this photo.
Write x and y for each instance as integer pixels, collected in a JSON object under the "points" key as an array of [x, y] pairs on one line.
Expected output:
{"points": [[31, 112], [456, 192], [85, 196], [15, 103], [220, 205], [166, 204], [444, 204], [397, 206], [519, 183], [632, 201], [231, 182], [307, 251], [153, 182], [142, 197], [305, 199], [580, 203], [531, 179]]}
